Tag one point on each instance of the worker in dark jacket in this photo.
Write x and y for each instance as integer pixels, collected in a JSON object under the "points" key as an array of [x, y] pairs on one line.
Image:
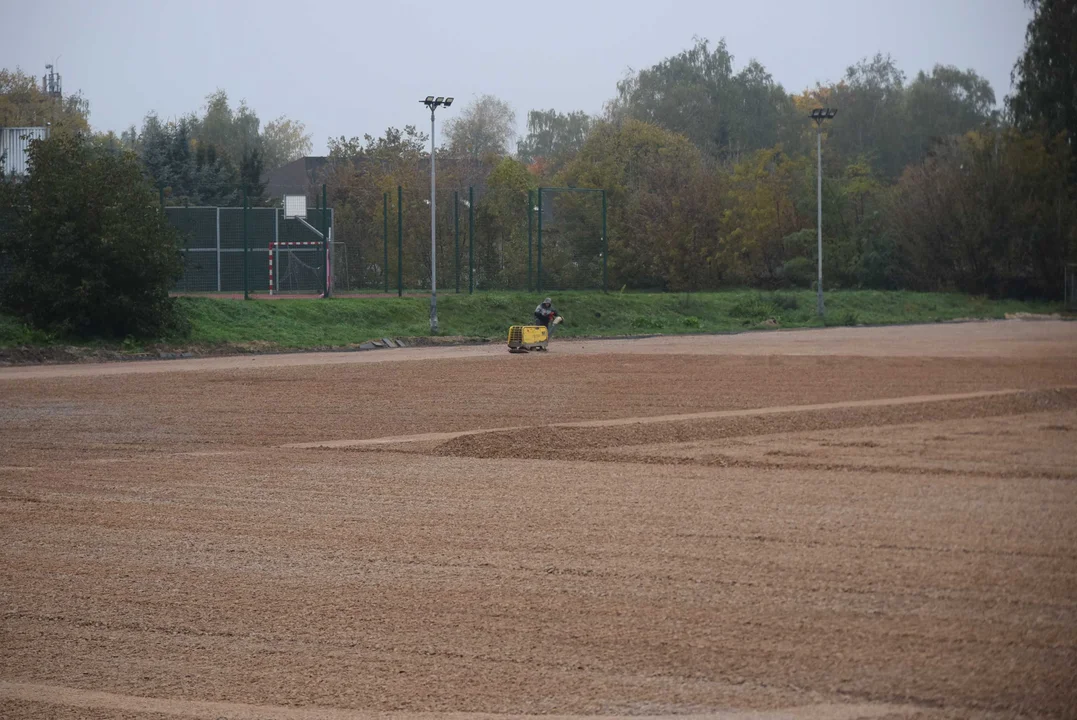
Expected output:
{"points": [[545, 315]]}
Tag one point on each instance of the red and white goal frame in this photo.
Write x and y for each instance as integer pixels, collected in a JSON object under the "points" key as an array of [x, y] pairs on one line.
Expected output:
{"points": [[305, 244]]}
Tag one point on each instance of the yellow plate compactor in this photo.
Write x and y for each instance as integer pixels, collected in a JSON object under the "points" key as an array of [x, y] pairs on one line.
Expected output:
{"points": [[525, 338]]}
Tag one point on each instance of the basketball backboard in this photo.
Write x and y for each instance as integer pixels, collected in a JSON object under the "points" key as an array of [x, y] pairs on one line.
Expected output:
{"points": [[295, 206]]}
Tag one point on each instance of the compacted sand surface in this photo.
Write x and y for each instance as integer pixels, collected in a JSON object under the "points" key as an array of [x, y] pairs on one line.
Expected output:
{"points": [[848, 523]]}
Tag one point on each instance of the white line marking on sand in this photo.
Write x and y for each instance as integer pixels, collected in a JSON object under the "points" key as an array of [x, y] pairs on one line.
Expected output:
{"points": [[215, 710]]}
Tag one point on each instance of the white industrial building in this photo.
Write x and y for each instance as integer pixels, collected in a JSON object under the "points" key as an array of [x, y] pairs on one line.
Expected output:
{"points": [[15, 146]]}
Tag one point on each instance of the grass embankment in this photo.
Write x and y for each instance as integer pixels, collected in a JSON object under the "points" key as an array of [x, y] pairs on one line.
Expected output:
{"points": [[340, 322], [299, 324]]}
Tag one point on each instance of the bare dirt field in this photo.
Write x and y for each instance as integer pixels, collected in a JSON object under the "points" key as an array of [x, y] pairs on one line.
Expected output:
{"points": [[829, 524]]}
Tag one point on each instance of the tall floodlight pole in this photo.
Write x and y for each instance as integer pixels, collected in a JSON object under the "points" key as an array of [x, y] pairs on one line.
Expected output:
{"points": [[434, 103], [819, 115]]}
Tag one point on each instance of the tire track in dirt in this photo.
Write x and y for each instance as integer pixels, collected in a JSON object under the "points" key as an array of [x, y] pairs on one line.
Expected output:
{"points": [[446, 438], [53, 695], [579, 441]]}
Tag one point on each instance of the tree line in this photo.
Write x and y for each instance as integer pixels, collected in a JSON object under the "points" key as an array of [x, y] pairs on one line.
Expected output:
{"points": [[209, 158], [929, 183], [198, 158], [84, 248]]}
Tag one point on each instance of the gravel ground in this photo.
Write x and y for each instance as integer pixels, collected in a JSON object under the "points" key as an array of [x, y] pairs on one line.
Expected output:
{"points": [[868, 523]]}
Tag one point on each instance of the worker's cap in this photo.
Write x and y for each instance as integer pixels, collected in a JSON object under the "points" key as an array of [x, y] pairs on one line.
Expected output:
{"points": [[547, 301]]}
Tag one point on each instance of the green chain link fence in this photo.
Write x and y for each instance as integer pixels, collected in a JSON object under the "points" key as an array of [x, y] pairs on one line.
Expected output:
{"points": [[1069, 289], [541, 240], [572, 247], [256, 249], [486, 240]]}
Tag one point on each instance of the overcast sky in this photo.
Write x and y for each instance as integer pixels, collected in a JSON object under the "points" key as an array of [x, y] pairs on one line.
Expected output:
{"points": [[349, 68]]}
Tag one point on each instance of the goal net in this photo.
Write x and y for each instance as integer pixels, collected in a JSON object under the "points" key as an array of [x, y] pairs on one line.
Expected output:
{"points": [[296, 266]]}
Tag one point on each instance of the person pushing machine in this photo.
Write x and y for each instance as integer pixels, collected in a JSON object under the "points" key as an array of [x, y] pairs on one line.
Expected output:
{"points": [[546, 316], [525, 338]]}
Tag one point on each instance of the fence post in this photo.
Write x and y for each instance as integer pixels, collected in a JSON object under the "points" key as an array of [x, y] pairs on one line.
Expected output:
{"points": [[399, 241], [456, 232], [246, 254], [530, 224], [605, 246], [470, 240], [218, 249], [385, 239], [161, 195], [315, 219], [327, 284], [539, 285], [275, 253]]}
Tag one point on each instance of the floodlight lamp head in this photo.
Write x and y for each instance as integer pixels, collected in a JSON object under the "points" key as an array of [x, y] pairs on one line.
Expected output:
{"points": [[439, 101], [448, 101], [831, 112], [816, 113], [429, 100]]}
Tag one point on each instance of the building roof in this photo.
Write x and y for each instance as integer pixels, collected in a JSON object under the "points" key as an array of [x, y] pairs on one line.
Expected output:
{"points": [[306, 174], [297, 177]]}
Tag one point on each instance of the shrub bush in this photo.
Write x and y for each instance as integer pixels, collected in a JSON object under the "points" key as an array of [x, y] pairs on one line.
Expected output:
{"points": [[90, 251], [798, 272]]}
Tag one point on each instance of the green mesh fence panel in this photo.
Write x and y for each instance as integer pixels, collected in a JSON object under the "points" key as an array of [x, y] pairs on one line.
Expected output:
{"points": [[358, 251], [6, 270], [343, 281], [261, 228], [572, 242], [200, 271], [197, 228], [451, 260], [232, 271], [1069, 295], [504, 252], [213, 257], [446, 241], [501, 240], [416, 239], [7, 223], [488, 244]]}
